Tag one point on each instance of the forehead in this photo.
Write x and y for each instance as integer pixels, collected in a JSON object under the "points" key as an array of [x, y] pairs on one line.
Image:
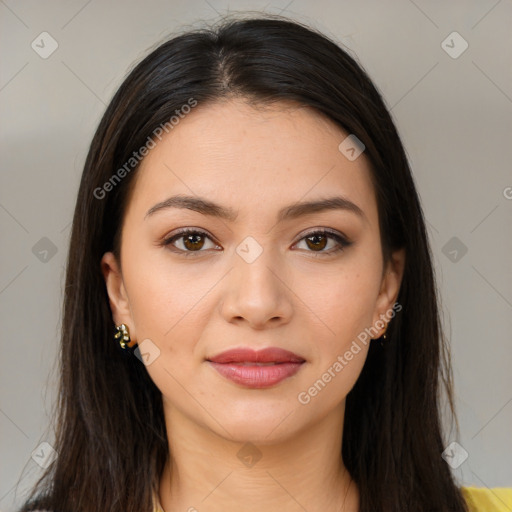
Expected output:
{"points": [[253, 157]]}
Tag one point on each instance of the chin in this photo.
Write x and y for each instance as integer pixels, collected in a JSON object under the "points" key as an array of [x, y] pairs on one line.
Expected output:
{"points": [[258, 425]]}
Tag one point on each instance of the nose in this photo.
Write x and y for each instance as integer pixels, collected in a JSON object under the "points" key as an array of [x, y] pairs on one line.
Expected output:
{"points": [[257, 292]]}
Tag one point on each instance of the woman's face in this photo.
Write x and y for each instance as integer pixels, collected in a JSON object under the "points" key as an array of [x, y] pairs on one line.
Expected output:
{"points": [[256, 277]]}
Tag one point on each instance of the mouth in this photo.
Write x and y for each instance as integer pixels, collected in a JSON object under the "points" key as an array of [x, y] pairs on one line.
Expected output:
{"points": [[251, 363], [257, 369]]}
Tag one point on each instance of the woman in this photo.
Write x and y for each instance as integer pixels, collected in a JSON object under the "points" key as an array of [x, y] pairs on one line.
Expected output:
{"points": [[250, 316]]}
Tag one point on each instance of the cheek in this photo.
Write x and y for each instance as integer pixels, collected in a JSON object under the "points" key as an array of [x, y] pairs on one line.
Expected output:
{"points": [[346, 302], [162, 297], [167, 308], [346, 307]]}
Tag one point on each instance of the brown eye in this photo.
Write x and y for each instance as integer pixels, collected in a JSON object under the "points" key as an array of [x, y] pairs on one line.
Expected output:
{"points": [[317, 241], [193, 242], [188, 241]]}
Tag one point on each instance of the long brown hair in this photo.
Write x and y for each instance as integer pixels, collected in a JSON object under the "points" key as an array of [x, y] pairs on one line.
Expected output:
{"points": [[110, 432]]}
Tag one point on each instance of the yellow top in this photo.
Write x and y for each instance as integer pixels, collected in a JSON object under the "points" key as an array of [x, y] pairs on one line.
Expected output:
{"points": [[479, 499]]}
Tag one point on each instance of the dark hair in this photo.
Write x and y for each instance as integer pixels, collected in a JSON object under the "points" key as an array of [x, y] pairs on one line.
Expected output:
{"points": [[110, 431]]}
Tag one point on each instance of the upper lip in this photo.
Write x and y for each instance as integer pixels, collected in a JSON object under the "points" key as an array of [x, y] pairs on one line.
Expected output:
{"points": [[247, 355]]}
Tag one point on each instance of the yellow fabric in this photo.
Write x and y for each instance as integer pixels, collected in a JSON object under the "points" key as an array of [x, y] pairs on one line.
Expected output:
{"points": [[158, 507], [479, 499]]}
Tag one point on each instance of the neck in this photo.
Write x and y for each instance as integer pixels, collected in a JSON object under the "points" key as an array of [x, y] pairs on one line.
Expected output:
{"points": [[304, 471]]}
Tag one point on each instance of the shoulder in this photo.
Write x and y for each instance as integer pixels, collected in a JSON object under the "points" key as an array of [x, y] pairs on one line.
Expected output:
{"points": [[482, 499]]}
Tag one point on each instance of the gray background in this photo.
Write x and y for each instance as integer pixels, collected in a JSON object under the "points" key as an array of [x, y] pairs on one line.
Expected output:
{"points": [[455, 118]]}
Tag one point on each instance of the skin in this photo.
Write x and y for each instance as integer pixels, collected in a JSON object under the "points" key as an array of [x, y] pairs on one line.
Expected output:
{"points": [[293, 296]]}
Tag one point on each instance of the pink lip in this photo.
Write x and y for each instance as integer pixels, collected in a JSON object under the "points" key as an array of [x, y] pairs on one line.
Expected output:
{"points": [[235, 365]]}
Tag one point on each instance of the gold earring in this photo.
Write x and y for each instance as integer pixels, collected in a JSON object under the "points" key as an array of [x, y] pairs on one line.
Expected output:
{"points": [[123, 336], [383, 337]]}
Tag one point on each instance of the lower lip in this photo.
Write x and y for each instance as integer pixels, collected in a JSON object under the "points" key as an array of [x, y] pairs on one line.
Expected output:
{"points": [[256, 376]]}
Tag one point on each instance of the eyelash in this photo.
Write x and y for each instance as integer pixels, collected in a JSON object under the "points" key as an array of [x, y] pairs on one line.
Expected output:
{"points": [[340, 240]]}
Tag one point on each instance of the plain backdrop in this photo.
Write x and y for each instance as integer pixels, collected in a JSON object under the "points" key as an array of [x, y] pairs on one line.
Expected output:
{"points": [[452, 105]]}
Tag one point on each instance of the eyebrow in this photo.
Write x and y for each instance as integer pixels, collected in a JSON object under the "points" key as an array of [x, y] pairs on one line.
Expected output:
{"points": [[293, 211]]}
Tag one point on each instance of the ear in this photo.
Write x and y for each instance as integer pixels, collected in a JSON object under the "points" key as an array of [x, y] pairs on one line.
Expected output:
{"points": [[119, 303], [390, 287]]}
